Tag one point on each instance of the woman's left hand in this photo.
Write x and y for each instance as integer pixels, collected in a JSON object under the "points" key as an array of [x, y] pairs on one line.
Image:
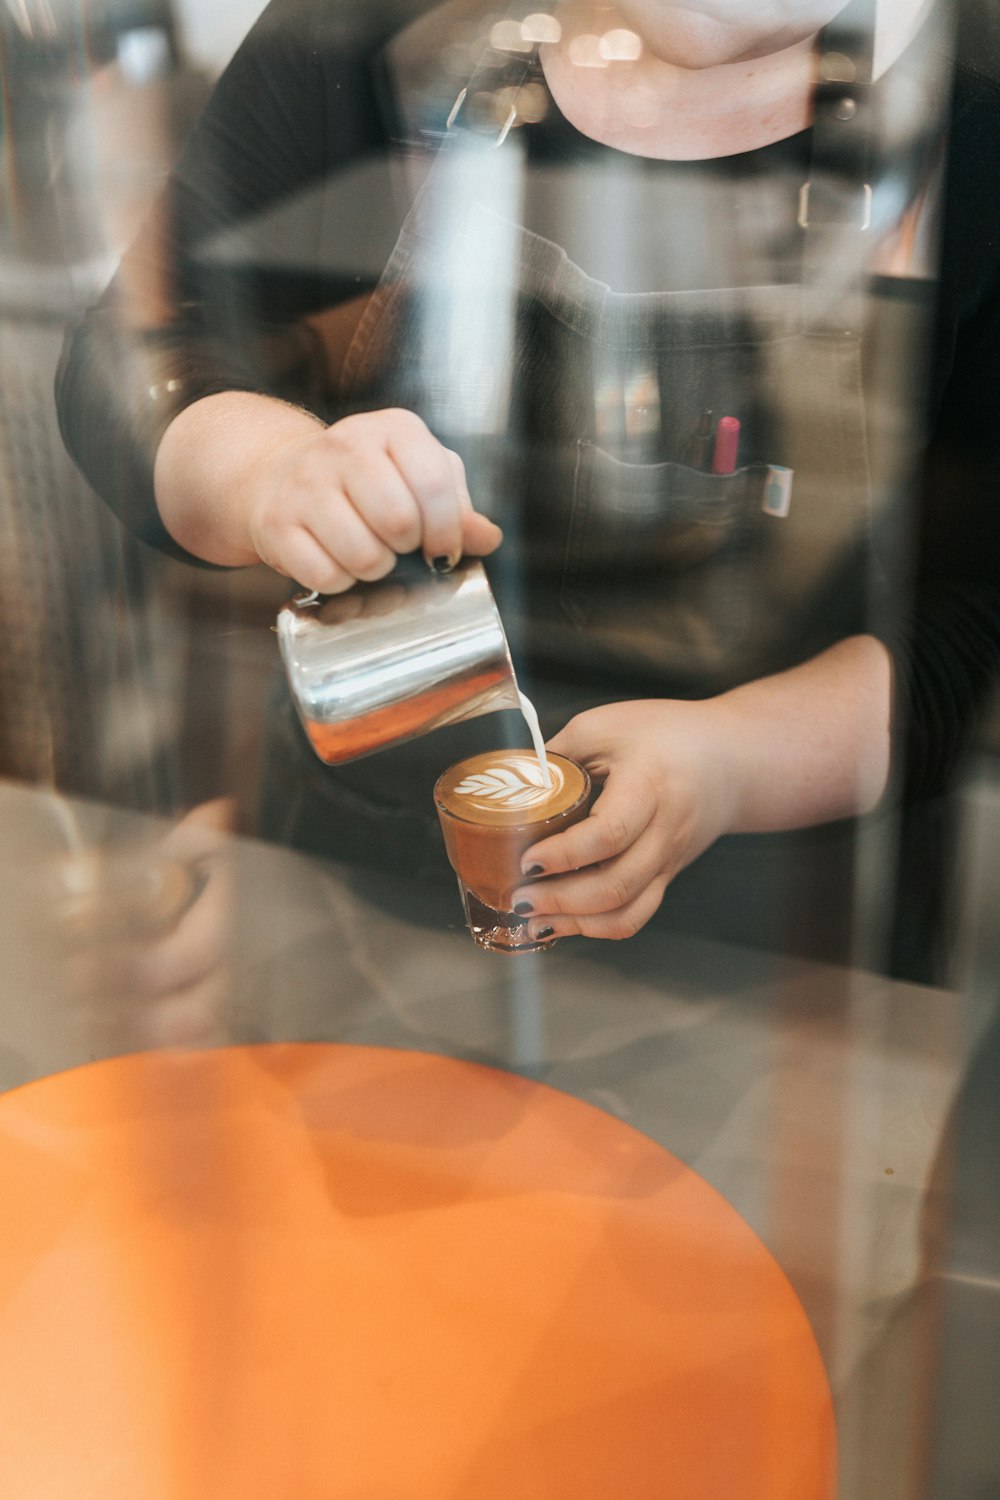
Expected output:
{"points": [[804, 746], [668, 794]]}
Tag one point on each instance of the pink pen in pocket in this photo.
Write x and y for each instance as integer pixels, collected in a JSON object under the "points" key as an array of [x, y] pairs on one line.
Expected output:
{"points": [[727, 442]]}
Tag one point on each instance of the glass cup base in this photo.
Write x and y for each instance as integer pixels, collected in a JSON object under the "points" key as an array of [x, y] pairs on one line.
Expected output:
{"points": [[499, 931]]}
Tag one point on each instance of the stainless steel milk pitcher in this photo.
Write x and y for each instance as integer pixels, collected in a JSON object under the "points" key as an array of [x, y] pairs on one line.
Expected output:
{"points": [[387, 661]]}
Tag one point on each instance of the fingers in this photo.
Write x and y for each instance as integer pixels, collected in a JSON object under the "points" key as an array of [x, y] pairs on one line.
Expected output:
{"points": [[604, 877], [480, 535], [436, 484], [361, 493], [616, 821], [193, 950], [409, 491], [606, 887], [194, 1017], [163, 990], [616, 925], [201, 832], [366, 549], [300, 556]]}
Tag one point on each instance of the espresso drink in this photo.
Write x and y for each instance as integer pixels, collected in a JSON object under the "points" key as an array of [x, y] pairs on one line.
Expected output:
{"points": [[492, 808]]}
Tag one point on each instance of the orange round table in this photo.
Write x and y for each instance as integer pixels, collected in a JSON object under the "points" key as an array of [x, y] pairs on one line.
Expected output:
{"points": [[316, 1272]]}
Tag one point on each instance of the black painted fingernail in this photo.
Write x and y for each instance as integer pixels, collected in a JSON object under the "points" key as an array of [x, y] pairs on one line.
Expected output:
{"points": [[524, 908], [544, 932], [442, 564], [534, 870]]}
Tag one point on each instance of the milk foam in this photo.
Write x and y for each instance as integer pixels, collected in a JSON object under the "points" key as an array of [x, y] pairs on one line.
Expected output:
{"points": [[506, 789], [517, 782]]}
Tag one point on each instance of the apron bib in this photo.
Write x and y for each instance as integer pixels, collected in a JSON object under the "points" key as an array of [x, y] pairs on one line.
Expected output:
{"points": [[619, 555]]}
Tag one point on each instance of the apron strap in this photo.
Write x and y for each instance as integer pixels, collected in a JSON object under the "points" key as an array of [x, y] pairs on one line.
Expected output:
{"points": [[496, 69], [836, 201], [842, 125]]}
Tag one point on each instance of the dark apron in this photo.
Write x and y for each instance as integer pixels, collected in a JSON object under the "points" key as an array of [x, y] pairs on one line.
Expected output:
{"points": [[626, 571]]}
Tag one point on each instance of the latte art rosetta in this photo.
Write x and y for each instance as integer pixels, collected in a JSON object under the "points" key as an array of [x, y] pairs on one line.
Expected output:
{"points": [[518, 782], [506, 789]]}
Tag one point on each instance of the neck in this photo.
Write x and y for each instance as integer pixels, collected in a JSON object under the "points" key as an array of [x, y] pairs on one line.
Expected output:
{"points": [[657, 105]]}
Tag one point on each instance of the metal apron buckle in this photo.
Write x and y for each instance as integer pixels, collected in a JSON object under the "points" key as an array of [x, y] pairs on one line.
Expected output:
{"points": [[505, 128], [866, 211]]}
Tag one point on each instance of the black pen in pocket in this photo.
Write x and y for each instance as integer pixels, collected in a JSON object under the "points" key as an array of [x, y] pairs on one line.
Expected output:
{"points": [[698, 448]]}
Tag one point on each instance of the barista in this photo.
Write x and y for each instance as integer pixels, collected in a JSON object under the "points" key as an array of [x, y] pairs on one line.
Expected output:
{"points": [[801, 737]]}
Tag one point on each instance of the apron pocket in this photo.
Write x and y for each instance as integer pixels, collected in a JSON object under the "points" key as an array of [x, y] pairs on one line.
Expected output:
{"points": [[663, 554]]}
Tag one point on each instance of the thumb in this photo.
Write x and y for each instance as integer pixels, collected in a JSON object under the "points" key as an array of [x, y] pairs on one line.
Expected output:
{"points": [[577, 741], [480, 535]]}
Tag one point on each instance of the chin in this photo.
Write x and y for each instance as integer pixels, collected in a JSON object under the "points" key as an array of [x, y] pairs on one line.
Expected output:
{"points": [[710, 33]]}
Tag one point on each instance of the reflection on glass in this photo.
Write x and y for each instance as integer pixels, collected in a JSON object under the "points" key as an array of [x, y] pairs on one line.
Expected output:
{"points": [[146, 928], [621, 45], [587, 51], [653, 291], [539, 27]]}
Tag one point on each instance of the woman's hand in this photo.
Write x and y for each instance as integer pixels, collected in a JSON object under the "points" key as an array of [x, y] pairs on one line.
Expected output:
{"points": [[241, 479], [149, 940], [803, 747], [342, 503], [667, 796]]}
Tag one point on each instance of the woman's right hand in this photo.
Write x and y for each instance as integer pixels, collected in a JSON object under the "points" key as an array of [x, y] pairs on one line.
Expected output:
{"points": [[242, 478], [339, 504]]}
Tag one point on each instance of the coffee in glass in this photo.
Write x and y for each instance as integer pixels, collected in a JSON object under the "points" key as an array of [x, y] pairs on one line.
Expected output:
{"points": [[493, 806]]}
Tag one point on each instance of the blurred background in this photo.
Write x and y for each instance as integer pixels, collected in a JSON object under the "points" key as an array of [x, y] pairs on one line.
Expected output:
{"points": [[138, 683], [114, 683]]}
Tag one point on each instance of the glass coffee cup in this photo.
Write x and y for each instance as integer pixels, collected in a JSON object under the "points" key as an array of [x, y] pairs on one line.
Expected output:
{"points": [[493, 806]]}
